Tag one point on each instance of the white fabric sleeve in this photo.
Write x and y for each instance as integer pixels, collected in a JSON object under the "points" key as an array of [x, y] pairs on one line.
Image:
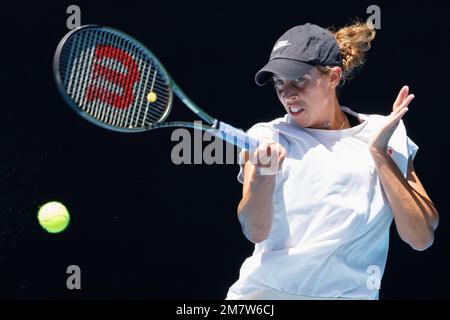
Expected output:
{"points": [[412, 148], [260, 132], [402, 148]]}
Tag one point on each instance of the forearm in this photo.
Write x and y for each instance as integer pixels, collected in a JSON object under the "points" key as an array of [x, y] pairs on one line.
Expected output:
{"points": [[413, 216], [255, 209]]}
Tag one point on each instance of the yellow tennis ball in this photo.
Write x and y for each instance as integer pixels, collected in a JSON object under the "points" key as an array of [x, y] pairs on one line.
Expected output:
{"points": [[53, 217], [151, 97]]}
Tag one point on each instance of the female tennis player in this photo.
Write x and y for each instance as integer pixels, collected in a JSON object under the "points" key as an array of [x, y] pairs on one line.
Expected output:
{"points": [[320, 222]]}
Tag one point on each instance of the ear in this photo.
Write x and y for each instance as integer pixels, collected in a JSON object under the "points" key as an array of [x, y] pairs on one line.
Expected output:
{"points": [[335, 76]]}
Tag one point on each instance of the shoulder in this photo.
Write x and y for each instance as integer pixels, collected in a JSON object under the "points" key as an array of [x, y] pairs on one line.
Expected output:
{"points": [[282, 130], [271, 124], [363, 116], [270, 128], [376, 119]]}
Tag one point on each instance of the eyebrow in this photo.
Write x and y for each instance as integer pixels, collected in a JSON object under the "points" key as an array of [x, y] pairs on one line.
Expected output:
{"points": [[304, 77]]}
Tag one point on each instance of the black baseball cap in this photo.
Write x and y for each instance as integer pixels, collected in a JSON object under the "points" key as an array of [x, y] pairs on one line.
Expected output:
{"points": [[298, 50]]}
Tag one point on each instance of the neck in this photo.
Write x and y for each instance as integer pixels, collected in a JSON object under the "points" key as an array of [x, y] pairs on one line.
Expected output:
{"points": [[338, 119]]}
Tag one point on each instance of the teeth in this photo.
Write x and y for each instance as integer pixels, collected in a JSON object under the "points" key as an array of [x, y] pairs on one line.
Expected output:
{"points": [[295, 109]]}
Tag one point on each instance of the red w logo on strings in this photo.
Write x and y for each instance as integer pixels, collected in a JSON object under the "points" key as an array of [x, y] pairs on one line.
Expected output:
{"points": [[125, 81]]}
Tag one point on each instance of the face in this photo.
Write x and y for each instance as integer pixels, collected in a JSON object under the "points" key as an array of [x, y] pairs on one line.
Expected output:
{"points": [[309, 99]]}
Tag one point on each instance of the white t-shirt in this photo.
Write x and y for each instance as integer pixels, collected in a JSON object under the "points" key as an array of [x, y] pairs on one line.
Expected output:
{"points": [[330, 229]]}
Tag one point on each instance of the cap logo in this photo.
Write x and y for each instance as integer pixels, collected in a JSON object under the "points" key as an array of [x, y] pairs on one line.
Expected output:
{"points": [[281, 44]]}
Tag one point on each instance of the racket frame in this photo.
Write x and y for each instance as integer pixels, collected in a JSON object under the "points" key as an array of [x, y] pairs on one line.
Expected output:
{"points": [[224, 131]]}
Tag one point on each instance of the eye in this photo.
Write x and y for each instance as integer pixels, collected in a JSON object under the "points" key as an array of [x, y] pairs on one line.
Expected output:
{"points": [[300, 82], [278, 82]]}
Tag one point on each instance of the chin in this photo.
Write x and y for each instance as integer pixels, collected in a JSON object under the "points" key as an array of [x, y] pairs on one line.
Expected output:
{"points": [[300, 124]]}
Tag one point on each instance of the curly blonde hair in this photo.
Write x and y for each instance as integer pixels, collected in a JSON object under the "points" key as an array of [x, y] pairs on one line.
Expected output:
{"points": [[354, 41]]}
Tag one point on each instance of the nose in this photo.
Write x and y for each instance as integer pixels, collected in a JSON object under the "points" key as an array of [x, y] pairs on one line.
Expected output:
{"points": [[290, 92]]}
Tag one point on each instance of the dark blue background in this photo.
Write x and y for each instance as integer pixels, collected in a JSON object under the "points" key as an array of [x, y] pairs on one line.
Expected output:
{"points": [[143, 227]]}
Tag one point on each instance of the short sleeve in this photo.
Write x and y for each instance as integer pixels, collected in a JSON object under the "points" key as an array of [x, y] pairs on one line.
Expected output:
{"points": [[401, 148], [260, 132], [412, 148]]}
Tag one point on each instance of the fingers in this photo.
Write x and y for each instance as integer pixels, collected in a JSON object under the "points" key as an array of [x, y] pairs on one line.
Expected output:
{"points": [[401, 96], [407, 101], [397, 116], [402, 109], [269, 155], [404, 104], [263, 154], [282, 155]]}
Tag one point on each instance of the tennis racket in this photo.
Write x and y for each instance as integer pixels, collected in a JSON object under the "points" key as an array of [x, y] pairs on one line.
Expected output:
{"points": [[115, 82]]}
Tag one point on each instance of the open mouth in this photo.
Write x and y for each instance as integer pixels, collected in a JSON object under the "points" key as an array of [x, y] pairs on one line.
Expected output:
{"points": [[296, 110]]}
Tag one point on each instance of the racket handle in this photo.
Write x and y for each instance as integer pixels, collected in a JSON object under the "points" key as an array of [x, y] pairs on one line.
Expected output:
{"points": [[235, 136]]}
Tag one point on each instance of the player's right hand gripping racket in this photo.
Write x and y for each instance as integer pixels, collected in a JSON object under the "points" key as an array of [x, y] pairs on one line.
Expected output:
{"points": [[115, 82]]}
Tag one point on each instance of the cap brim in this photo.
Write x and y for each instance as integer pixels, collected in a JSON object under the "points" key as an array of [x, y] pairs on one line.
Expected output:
{"points": [[286, 68]]}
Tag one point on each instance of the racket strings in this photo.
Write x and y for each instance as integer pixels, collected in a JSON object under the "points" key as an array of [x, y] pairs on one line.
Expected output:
{"points": [[110, 81], [111, 56], [76, 70], [97, 111], [88, 67], [110, 78]]}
